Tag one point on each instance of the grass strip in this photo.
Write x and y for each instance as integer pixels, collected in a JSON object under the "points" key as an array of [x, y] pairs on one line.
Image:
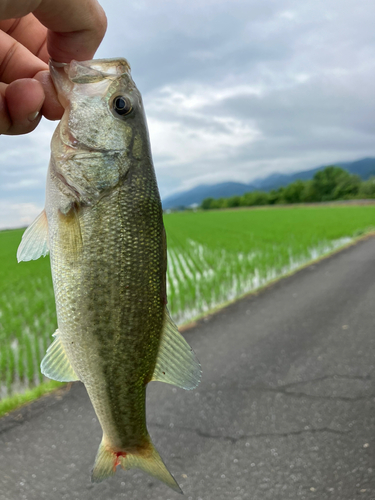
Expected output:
{"points": [[11, 403]]}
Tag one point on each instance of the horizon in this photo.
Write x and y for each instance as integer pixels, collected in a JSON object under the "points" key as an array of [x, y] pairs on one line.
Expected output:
{"points": [[260, 179], [340, 164]]}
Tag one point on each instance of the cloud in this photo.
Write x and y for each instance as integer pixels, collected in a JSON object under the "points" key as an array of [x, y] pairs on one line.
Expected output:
{"points": [[233, 90], [188, 126], [23, 165], [17, 214]]}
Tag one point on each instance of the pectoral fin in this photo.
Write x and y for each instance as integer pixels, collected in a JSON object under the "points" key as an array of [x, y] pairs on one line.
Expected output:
{"points": [[34, 242], [176, 363], [70, 236], [55, 364]]}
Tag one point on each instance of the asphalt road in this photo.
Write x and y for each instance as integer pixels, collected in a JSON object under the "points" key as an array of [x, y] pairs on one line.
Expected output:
{"points": [[286, 408]]}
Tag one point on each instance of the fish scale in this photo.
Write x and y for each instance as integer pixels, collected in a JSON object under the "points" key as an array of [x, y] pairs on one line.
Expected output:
{"points": [[103, 227]]}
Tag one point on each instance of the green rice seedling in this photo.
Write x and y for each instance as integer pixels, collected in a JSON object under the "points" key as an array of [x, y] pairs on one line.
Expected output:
{"points": [[3, 363], [38, 357], [230, 253], [21, 358], [27, 313], [29, 360], [213, 257]]}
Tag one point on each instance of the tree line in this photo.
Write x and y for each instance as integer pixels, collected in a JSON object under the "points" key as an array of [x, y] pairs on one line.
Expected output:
{"points": [[332, 183]]}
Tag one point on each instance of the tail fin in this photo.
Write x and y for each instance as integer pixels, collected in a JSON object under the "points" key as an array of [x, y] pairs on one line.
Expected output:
{"points": [[148, 460]]}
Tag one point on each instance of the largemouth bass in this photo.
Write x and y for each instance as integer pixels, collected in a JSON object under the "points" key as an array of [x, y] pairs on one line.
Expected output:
{"points": [[103, 227]]}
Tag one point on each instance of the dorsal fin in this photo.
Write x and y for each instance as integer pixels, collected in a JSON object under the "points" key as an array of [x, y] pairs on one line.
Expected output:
{"points": [[176, 363], [34, 242]]}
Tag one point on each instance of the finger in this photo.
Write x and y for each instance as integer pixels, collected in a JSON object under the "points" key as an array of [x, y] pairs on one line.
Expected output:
{"points": [[29, 32], [17, 8], [76, 28], [20, 105], [16, 61], [52, 108]]}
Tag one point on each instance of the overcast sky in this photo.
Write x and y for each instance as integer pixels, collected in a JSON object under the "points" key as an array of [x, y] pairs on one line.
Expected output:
{"points": [[233, 90]]}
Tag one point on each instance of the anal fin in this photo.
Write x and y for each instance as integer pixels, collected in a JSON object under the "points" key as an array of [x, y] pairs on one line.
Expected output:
{"points": [[34, 242], [176, 363], [55, 364]]}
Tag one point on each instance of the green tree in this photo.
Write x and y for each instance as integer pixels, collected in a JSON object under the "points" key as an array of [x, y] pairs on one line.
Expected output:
{"points": [[233, 201], [325, 182], [221, 203], [310, 193], [276, 196], [367, 188], [206, 203], [294, 192], [331, 183], [254, 198], [347, 188]]}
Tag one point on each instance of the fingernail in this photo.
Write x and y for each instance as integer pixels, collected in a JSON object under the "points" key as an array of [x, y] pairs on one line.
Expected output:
{"points": [[33, 116]]}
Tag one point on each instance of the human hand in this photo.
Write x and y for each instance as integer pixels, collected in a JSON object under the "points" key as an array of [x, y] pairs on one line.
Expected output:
{"points": [[32, 31]]}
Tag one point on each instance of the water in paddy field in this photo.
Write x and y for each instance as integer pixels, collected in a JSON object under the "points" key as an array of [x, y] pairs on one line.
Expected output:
{"points": [[27, 322], [200, 279]]}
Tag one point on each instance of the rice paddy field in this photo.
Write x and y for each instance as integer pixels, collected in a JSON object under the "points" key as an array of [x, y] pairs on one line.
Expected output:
{"points": [[213, 257]]}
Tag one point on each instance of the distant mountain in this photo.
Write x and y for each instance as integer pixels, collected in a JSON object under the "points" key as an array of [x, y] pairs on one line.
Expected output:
{"points": [[199, 193], [364, 168]]}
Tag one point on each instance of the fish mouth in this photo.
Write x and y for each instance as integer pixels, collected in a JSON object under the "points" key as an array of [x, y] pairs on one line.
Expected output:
{"points": [[92, 70]]}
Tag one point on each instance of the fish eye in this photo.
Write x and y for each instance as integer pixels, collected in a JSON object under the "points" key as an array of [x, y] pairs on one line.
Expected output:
{"points": [[122, 105]]}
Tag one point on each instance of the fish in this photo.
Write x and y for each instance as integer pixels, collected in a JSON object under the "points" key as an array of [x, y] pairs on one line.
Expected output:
{"points": [[103, 227]]}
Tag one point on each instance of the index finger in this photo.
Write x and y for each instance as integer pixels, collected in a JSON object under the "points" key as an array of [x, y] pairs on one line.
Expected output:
{"points": [[75, 27]]}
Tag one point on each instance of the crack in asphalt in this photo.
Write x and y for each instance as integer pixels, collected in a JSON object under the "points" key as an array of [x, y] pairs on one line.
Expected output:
{"points": [[283, 389], [234, 440], [313, 396], [327, 377]]}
